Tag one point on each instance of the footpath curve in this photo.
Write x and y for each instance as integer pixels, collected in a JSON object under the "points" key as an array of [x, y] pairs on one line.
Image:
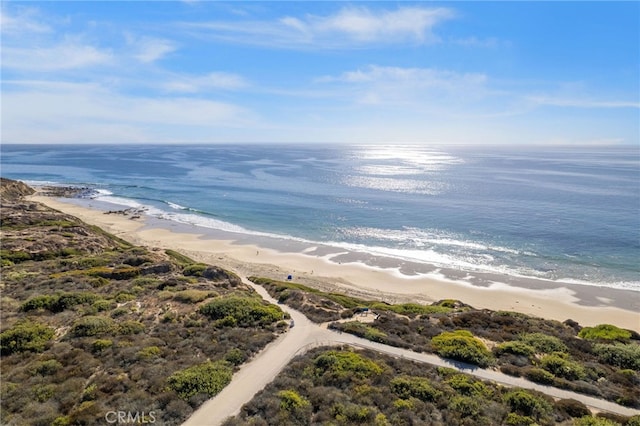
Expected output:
{"points": [[264, 367]]}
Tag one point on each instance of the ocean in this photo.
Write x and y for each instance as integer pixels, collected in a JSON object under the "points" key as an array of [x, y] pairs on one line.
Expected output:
{"points": [[568, 214]]}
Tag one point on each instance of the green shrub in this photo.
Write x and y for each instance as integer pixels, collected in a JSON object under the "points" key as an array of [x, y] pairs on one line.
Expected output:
{"points": [[467, 385], [195, 270], [179, 257], [562, 367], [68, 300], [605, 332], [363, 330], [633, 420], [118, 312], [515, 348], [353, 413], [124, 272], [98, 282], [572, 408], [343, 364], [42, 393], [208, 378], [62, 421], [403, 404], [92, 326], [461, 345], [130, 327], [417, 387], [149, 352], [101, 305], [15, 256], [145, 282], [137, 260], [193, 296], [26, 335], [101, 344], [245, 311], [235, 356], [38, 302], [45, 368], [515, 419], [169, 317], [69, 251], [594, 421], [465, 406], [619, 354], [525, 403], [290, 400], [539, 375], [447, 303], [544, 343], [89, 393], [92, 262], [124, 296], [58, 302], [411, 309]]}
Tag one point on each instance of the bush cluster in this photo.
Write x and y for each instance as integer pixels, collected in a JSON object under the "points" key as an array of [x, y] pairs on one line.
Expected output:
{"points": [[605, 332], [308, 392], [414, 387], [242, 311], [59, 302], [463, 346], [208, 378], [619, 354], [343, 364], [25, 336], [92, 326]]}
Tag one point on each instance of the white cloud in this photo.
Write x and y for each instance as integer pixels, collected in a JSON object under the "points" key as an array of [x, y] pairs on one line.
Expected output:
{"points": [[392, 85], [149, 49], [406, 23], [214, 80], [39, 111], [349, 27], [415, 76], [581, 102], [25, 20], [66, 55]]}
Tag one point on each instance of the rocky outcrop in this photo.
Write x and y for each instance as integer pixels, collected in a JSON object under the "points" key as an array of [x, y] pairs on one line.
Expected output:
{"points": [[33, 231], [14, 190]]}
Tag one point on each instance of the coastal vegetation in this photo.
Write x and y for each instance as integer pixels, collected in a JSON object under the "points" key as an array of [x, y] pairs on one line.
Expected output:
{"points": [[92, 324], [344, 386], [320, 306], [602, 361]]}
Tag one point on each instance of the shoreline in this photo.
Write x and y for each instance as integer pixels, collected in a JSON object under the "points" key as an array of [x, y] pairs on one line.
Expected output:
{"points": [[249, 255]]}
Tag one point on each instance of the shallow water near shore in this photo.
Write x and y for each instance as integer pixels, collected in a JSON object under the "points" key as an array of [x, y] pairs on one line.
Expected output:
{"points": [[492, 215]]}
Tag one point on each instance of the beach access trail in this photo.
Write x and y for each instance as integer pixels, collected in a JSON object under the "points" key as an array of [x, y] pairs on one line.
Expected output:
{"points": [[262, 369]]}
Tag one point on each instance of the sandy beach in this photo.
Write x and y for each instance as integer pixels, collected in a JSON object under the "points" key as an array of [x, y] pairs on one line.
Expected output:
{"points": [[588, 305]]}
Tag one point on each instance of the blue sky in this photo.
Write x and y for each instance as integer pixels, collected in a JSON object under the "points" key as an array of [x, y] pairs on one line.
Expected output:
{"points": [[355, 72]]}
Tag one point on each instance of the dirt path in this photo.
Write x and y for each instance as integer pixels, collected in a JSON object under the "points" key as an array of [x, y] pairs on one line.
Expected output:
{"points": [[305, 335]]}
